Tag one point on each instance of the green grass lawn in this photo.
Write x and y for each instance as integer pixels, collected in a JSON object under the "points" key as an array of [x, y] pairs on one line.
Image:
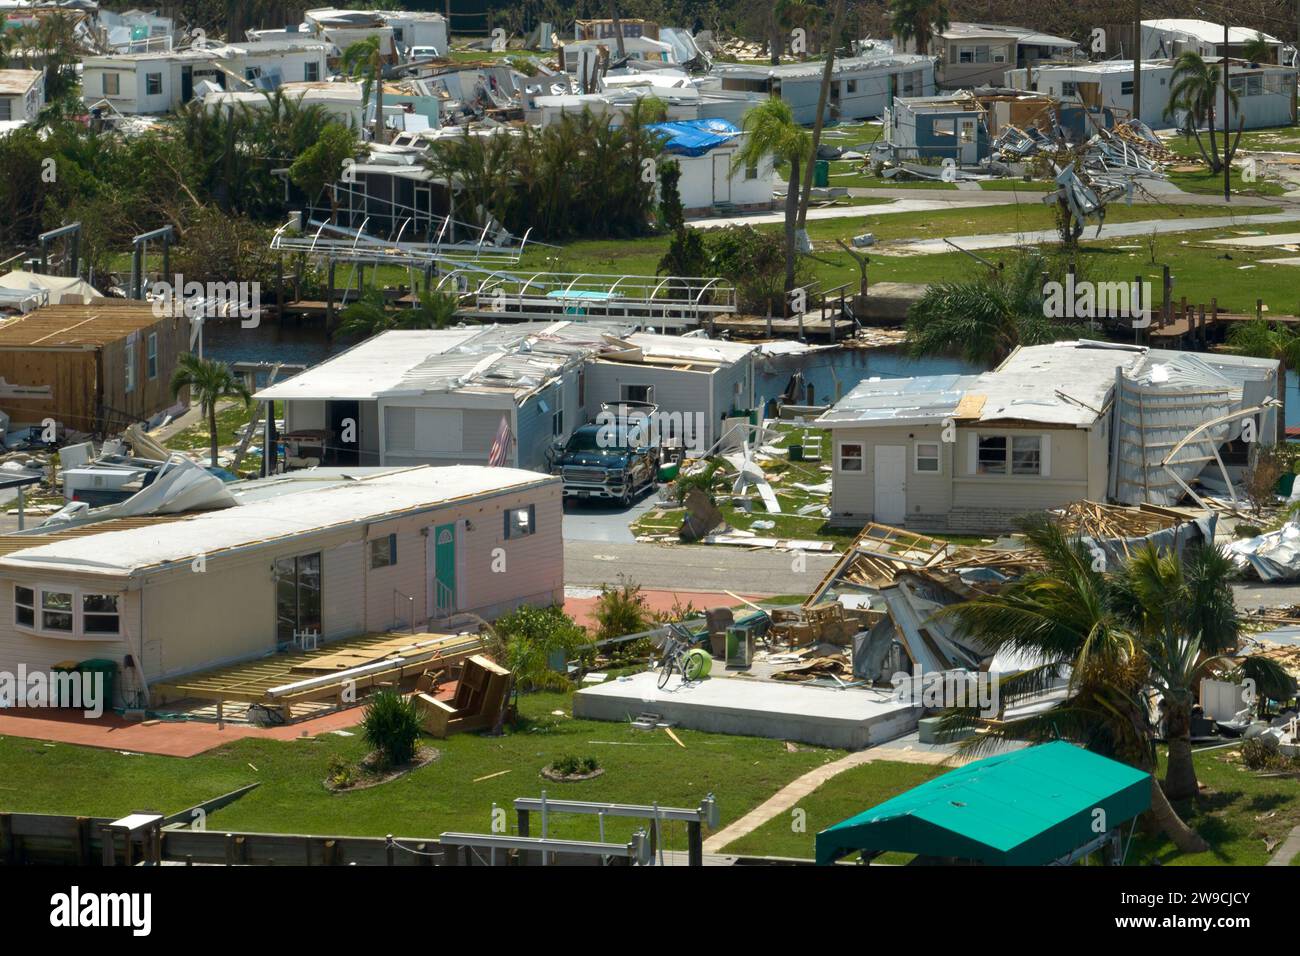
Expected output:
{"points": [[1236, 813], [640, 767], [839, 798], [195, 438], [1280, 139], [1207, 183]]}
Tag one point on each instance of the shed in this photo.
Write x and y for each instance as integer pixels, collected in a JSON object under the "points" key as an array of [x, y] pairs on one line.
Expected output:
{"points": [[1030, 807], [107, 364]]}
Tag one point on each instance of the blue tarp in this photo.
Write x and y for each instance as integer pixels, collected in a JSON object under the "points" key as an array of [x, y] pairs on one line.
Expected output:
{"points": [[695, 137]]}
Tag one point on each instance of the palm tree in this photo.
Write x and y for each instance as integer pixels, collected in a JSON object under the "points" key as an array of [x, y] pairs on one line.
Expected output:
{"points": [[984, 317], [770, 130], [1260, 338], [363, 59], [370, 315], [209, 383], [1118, 633], [918, 20], [1194, 87], [1257, 49]]}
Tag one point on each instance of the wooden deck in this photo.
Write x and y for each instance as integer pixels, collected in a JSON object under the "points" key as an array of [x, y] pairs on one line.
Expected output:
{"points": [[284, 679]]}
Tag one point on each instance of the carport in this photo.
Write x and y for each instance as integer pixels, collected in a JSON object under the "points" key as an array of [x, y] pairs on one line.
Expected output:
{"points": [[1050, 804]]}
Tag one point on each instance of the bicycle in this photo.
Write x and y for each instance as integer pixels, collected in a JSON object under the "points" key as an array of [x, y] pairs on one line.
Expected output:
{"points": [[677, 657]]}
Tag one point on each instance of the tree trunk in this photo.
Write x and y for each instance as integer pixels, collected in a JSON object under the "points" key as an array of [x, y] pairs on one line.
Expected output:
{"points": [[1215, 166], [1180, 772], [776, 42], [379, 104], [212, 432], [791, 214], [1171, 825]]}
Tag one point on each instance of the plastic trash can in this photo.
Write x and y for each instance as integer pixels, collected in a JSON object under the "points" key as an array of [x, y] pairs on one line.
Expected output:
{"points": [[822, 174], [98, 665]]}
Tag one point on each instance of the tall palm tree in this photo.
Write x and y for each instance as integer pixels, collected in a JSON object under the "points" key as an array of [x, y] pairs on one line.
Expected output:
{"points": [[918, 20], [1116, 633], [209, 383], [1194, 87], [770, 130], [364, 60]]}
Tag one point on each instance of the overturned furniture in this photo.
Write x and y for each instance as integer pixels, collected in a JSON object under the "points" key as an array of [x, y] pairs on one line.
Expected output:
{"points": [[481, 701]]}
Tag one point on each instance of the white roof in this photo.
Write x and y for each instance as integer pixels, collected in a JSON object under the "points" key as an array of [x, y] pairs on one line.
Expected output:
{"points": [[691, 348], [1205, 31], [265, 523], [366, 370]]}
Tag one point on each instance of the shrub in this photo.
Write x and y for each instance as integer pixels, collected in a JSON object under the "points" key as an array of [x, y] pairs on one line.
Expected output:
{"points": [[571, 766], [1247, 531], [1258, 755], [621, 610], [340, 773], [530, 636], [391, 725]]}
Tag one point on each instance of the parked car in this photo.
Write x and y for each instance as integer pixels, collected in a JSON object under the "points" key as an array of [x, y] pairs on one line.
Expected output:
{"points": [[611, 459]]}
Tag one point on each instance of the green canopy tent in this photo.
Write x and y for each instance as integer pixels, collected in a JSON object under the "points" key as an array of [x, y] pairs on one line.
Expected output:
{"points": [[1029, 807]]}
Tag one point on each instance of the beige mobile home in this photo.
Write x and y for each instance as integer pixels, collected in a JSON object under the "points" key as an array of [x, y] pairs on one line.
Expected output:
{"points": [[326, 553], [971, 453]]}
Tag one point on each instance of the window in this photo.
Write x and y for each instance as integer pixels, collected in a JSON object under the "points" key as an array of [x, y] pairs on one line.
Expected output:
{"points": [[751, 169], [1027, 455], [1126, 88], [521, 522], [56, 611], [24, 606], [383, 551], [981, 54], [252, 72], [153, 84], [311, 72], [850, 87], [6, 109], [557, 422], [1254, 84], [297, 596], [151, 355], [966, 55], [99, 613], [582, 388], [399, 35], [851, 456], [112, 84], [992, 455], [638, 393], [927, 457]]}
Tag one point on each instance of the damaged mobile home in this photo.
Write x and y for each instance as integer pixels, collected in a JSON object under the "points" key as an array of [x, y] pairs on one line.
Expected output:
{"points": [[1053, 424]]}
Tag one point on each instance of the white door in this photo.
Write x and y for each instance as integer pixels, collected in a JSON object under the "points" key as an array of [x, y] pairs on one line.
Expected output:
{"points": [[969, 137], [891, 484], [722, 179]]}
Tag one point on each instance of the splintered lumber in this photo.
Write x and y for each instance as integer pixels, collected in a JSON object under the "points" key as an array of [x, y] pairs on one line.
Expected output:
{"points": [[876, 555]]}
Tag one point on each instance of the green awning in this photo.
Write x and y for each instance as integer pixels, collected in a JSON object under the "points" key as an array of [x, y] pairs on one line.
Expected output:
{"points": [[1025, 808]]}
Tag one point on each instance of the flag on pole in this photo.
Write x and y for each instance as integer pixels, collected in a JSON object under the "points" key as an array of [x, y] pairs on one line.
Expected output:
{"points": [[500, 452]]}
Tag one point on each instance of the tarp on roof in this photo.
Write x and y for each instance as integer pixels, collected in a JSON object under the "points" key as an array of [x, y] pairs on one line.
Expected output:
{"points": [[1025, 808], [695, 137]]}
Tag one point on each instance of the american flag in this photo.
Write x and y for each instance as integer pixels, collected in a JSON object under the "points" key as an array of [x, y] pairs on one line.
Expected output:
{"points": [[500, 445]]}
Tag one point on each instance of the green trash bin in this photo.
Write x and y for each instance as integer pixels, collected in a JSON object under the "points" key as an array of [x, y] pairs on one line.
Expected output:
{"points": [[98, 665], [59, 691], [796, 452], [822, 174]]}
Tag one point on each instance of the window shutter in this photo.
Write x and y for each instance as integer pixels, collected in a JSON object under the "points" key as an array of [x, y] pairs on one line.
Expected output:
{"points": [[1045, 455], [972, 452]]}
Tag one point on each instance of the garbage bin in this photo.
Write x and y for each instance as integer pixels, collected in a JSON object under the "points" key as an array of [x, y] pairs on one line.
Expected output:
{"points": [[59, 690], [822, 174], [1285, 483], [796, 452], [98, 665]]}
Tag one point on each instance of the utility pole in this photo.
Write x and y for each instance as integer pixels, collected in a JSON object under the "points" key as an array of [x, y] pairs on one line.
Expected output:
{"points": [[1137, 59], [1227, 122]]}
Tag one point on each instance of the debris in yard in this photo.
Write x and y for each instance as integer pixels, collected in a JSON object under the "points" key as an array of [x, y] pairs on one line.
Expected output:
{"points": [[702, 516]]}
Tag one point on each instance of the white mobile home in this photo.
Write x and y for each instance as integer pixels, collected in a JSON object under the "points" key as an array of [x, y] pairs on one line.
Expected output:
{"points": [[318, 553], [1265, 93], [705, 151], [861, 87], [970, 453], [1167, 38], [979, 54], [22, 96]]}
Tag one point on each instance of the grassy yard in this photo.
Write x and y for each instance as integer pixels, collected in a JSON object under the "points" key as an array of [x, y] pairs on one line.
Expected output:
{"points": [[195, 438], [1205, 182], [1237, 813], [1278, 139], [448, 794]]}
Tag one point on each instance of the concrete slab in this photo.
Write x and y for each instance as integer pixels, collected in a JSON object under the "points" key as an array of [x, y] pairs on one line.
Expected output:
{"points": [[1276, 239], [847, 719]]}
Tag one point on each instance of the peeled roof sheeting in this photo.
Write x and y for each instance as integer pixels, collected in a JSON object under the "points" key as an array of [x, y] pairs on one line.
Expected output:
{"points": [[902, 400]]}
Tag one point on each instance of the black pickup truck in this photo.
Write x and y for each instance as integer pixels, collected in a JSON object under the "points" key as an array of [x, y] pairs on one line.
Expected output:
{"points": [[611, 459]]}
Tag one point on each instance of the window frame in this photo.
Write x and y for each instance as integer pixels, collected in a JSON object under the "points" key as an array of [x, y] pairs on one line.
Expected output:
{"points": [[116, 84], [311, 72], [511, 532], [860, 457], [149, 80], [1037, 453], [38, 607], [151, 356], [982, 467], [937, 458], [389, 554]]}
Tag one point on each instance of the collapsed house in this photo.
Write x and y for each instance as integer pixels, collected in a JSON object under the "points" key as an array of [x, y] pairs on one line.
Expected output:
{"points": [[861, 87], [452, 396], [248, 568], [1053, 424]]}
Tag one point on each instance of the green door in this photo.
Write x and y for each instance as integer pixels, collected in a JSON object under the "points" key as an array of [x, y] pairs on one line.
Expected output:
{"points": [[444, 569]]}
